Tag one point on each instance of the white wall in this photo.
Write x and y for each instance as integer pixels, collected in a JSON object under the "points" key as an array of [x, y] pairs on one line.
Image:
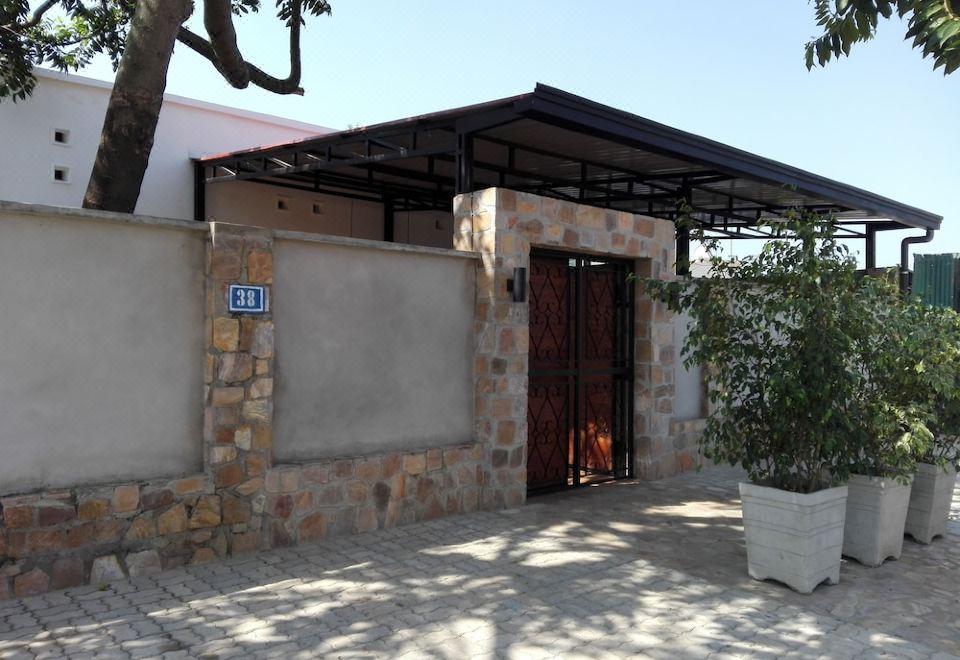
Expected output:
{"points": [[101, 349], [186, 128]]}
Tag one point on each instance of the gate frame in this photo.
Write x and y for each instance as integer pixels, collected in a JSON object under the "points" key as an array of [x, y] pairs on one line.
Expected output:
{"points": [[502, 225], [622, 458]]}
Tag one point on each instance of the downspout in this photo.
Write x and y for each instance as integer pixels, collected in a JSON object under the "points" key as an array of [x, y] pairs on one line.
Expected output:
{"points": [[905, 257]]}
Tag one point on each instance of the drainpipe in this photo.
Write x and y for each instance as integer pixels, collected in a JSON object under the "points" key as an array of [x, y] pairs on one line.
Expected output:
{"points": [[905, 257]]}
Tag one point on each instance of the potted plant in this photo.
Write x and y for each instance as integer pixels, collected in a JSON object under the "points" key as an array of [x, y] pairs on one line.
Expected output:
{"points": [[897, 400], [936, 476], [777, 333]]}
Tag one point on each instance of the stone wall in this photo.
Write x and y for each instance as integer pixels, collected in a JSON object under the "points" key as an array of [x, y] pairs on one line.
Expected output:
{"points": [[503, 226], [241, 500]]}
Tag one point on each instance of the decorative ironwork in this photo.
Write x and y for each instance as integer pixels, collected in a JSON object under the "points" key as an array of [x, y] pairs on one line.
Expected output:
{"points": [[548, 434], [550, 322], [581, 371]]}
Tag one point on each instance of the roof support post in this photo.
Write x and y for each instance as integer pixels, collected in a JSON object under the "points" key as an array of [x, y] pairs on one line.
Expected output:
{"points": [[871, 248], [388, 215], [683, 250], [199, 192], [682, 224], [464, 163]]}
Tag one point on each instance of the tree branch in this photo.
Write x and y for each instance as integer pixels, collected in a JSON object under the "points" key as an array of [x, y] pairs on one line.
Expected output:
{"points": [[38, 14], [218, 20], [255, 75], [290, 84], [199, 45]]}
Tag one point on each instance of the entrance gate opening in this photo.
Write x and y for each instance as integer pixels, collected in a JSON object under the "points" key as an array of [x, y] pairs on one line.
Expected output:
{"points": [[580, 400]]}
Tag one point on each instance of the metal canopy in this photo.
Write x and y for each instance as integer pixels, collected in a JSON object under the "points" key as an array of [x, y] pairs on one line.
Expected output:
{"points": [[559, 145]]}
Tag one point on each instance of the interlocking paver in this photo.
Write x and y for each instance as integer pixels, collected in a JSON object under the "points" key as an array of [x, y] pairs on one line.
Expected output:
{"points": [[653, 570]]}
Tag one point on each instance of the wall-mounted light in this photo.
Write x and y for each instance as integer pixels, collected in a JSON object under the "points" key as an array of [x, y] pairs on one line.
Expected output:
{"points": [[518, 284]]}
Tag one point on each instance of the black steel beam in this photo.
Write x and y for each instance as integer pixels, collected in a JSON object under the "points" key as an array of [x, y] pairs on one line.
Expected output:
{"points": [[553, 106], [320, 165]]}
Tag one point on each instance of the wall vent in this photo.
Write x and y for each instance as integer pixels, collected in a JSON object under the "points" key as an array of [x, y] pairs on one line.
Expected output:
{"points": [[61, 174]]}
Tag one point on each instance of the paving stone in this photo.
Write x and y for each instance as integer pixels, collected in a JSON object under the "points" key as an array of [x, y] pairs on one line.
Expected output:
{"points": [[655, 570]]}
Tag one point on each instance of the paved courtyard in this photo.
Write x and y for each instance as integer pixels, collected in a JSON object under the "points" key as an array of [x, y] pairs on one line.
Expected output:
{"points": [[624, 570]]}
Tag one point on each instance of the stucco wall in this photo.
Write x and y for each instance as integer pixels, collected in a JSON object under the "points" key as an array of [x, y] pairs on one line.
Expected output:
{"points": [[101, 350], [258, 205], [76, 104], [375, 350], [690, 402]]}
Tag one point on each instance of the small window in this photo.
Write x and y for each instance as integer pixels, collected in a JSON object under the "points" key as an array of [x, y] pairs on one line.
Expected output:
{"points": [[283, 203], [61, 174], [61, 136], [318, 208]]}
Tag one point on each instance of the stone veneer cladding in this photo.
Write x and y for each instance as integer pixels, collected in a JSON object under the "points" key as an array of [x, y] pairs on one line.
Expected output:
{"points": [[243, 503], [503, 226]]}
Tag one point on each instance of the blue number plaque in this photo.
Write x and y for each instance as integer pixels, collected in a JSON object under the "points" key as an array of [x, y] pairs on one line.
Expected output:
{"points": [[247, 299]]}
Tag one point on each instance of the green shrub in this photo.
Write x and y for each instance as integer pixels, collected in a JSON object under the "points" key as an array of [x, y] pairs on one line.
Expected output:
{"points": [[803, 362]]}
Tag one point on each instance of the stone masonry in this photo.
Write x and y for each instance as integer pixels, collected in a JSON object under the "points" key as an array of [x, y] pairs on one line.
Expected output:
{"points": [[243, 503], [503, 226]]}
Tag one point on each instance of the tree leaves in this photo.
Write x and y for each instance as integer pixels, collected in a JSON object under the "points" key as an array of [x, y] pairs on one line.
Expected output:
{"points": [[812, 370], [66, 41], [933, 25]]}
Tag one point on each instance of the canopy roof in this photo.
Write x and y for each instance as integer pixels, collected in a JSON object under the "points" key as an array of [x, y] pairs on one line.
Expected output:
{"points": [[559, 145]]}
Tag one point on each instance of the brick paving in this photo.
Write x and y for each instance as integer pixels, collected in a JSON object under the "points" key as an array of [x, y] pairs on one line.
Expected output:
{"points": [[654, 570]]}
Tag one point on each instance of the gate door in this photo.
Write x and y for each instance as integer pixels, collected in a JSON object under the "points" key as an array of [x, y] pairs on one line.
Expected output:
{"points": [[579, 411]]}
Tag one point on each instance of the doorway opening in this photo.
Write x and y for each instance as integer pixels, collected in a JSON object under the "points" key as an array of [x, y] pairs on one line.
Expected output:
{"points": [[580, 397]]}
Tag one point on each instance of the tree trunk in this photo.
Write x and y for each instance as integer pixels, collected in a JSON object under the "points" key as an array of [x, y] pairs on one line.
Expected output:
{"points": [[134, 108]]}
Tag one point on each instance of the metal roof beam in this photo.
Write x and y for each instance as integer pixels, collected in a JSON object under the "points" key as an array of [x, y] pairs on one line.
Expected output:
{"points": [[252, 173]]}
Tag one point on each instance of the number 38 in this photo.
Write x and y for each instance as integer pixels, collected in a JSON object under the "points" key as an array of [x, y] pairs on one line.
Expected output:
{"points": [[246, 298]]}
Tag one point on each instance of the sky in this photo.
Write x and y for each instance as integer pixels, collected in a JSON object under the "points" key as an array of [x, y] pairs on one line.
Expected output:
{"points": [[882, 119]]}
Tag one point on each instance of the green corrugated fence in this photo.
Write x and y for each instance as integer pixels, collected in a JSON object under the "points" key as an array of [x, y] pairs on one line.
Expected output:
{"points": [[936, 279]]}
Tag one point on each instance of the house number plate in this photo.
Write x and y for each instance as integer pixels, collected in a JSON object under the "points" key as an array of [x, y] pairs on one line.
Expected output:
{"points": [[246, 299]]}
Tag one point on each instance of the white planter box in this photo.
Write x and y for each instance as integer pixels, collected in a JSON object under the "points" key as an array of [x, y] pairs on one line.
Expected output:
{"points": [[794, 538], [876, 513], [930, 501]]}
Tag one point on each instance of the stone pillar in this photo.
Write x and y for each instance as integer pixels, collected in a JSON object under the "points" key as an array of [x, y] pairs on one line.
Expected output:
{"points": [[502, 342], [654, 453], [239, 385]]}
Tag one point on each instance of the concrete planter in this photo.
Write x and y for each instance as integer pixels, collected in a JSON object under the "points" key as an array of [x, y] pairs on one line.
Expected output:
{"points": [[930, 501], [794, 538], [876, 513]]}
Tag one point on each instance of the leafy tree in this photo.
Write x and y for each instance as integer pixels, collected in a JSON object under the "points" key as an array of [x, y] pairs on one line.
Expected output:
{"points": [[776, 334], [915, 362], [814, 372], [139, 37], [934, 26]]}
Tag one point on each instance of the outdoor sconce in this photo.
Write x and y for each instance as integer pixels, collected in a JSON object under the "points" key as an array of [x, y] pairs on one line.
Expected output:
{"points": [[518, 285]]}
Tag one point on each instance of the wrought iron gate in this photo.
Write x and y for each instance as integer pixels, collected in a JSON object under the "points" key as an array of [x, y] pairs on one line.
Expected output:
{"points": [[579, 411]]}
